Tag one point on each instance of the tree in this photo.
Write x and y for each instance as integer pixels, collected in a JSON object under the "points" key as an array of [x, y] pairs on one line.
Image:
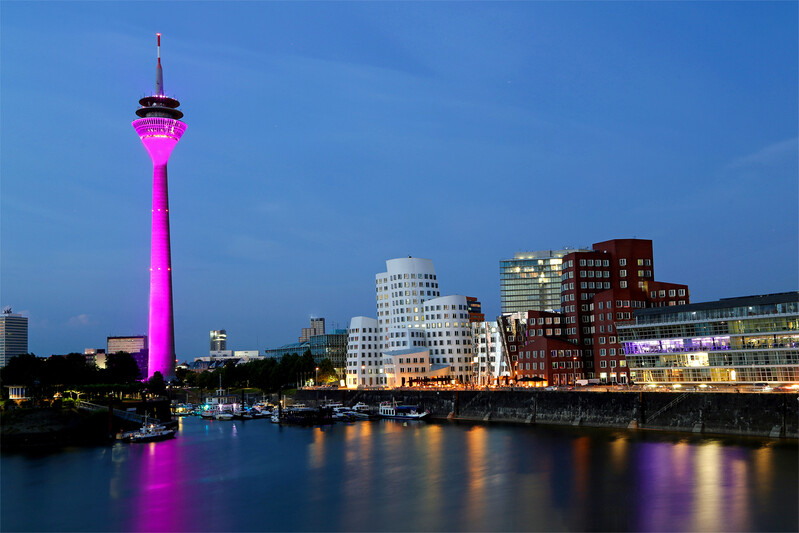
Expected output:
{"points": [[186, 377], [121, 368], [23, 370], [156, 384], [327, 372]]}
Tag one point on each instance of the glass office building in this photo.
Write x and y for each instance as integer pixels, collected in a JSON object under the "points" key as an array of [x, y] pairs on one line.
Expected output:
{"points": [[752, 339], [531, 281], [13, 335], [331, 346]]}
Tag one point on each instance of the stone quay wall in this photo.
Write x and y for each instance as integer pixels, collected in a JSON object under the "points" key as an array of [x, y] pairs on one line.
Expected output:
{"points": [[764, 415]]}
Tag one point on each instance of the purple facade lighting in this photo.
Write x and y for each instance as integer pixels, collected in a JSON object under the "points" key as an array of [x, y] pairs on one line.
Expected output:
{"points": [[160, 130]]}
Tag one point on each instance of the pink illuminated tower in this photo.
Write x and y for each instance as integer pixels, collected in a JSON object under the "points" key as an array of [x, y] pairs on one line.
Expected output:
{"points": [[160, 130]]}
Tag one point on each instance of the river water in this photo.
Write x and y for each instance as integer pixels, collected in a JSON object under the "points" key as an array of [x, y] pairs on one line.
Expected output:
{"points": [[393, 476]]}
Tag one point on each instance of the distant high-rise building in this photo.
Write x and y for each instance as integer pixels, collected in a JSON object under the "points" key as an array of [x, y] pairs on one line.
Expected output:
{"points": [[13, 335], [531, 281], [136, 346], [95, 356], [317, 328], [218, 340]]}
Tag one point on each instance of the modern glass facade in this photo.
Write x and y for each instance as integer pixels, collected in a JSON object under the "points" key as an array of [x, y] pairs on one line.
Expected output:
{"points": [[531, 281], [753, 339], [332, 346]]}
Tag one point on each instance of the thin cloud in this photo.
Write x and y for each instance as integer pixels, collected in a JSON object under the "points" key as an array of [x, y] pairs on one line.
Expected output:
{"points": [[79, 320], [771, 155]]}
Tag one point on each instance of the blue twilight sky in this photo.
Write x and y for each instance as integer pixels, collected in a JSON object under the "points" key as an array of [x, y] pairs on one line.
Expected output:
{"points": [[325, 138]]}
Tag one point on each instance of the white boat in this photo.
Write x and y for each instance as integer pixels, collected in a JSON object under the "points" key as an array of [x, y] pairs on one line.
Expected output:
{"points": [[360, 407], [150, 432], [348, 415], [401, 412], [223, 415]]}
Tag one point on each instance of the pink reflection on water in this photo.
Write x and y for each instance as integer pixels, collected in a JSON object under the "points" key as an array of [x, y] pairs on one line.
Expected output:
{"points": [[159, 503]]}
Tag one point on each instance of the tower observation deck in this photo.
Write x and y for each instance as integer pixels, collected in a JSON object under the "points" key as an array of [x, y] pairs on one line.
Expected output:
{"points": [[160, 129]]}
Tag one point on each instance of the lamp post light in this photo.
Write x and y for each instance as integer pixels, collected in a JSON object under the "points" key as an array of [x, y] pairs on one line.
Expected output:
{"points": [[316, 377]]}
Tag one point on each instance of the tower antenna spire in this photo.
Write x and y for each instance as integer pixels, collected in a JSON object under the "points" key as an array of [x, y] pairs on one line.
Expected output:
{"points": [[159, 74]]}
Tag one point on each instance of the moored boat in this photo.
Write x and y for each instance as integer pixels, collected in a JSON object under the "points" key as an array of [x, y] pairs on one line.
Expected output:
{"points": [[361, 407], [150, 432], [401, 412]]}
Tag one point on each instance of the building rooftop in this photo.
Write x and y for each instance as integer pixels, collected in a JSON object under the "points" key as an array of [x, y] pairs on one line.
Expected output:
{"points": [[738, 301]]}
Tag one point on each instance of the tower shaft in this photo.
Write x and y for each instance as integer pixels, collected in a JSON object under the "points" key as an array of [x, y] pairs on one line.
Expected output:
{"points": [[162, 325]]}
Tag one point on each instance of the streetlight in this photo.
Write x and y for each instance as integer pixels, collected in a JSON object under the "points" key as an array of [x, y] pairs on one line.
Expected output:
{"points": [[316, 377]]}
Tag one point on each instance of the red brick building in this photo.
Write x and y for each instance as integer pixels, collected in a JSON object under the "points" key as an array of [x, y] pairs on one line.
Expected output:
{"points": [[599, 289]]}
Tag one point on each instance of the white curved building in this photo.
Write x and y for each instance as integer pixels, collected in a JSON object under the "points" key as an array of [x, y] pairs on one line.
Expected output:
{"points": [[419, 332], [448, 334], [364, 362], [401, 290]]}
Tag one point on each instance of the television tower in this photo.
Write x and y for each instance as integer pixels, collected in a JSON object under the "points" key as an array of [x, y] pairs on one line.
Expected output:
{"points": [[160, 130]]}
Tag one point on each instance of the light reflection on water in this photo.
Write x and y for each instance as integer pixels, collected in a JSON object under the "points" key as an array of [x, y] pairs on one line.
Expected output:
{"points": [[388, 476]]}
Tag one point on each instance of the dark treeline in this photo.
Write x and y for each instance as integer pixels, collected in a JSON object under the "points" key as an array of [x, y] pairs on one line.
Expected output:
{"points": [[268, 375], [47, 376], [59, 373]]}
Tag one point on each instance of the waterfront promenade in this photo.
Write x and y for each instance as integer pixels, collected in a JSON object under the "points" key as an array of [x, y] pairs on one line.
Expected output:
{"points": [[773, 415]]}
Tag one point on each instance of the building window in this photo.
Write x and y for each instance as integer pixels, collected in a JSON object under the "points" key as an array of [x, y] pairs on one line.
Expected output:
{"points": [[622, 262], [623, 273]]}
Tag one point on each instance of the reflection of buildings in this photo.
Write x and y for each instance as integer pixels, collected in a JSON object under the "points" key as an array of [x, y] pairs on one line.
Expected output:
{"points": [[135, 345], [599, 290], [734, 340], [13, 335]]}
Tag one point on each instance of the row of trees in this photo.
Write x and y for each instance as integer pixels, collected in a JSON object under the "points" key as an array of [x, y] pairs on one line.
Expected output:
{"points": [[267, 374], [46, 376]]}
